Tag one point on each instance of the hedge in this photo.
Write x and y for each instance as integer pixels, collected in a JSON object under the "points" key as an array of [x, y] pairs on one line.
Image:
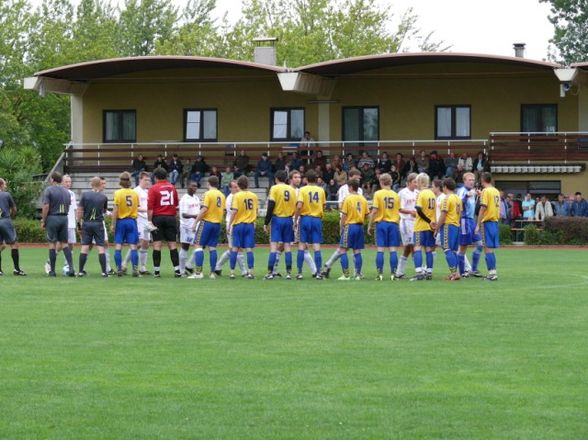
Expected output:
{"points": [[559, 230]]}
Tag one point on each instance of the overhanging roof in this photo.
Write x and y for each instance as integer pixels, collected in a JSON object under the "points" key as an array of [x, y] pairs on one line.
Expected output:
{"points": [[357, 64], [104, 68]]}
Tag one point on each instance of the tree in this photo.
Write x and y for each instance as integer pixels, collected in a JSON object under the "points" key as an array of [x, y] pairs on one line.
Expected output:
{"points": [[570, 19]]}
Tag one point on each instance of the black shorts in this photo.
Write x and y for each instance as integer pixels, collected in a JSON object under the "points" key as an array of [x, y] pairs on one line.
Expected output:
{"points": [[7, 231], [93, 231], [56, 228], [167, 228]]}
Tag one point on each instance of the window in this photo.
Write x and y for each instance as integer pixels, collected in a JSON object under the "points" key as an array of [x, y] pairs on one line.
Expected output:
{"points": [[200, 125], [452, 122], [120, 126], [287, 124], [539, 118], [535, 187], [361, 124]]}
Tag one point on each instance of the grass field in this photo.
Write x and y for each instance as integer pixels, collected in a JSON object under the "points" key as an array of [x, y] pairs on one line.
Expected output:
{"points": [[175, 358]]}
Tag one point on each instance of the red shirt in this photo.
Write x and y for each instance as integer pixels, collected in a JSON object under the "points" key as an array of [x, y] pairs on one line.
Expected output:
{"points": [[162, 199]]}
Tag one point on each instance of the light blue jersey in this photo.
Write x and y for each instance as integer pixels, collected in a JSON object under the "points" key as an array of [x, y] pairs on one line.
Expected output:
{"points": [[469, 203]]}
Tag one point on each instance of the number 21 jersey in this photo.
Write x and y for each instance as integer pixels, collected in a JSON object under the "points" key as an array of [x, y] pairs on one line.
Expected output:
{"points": [[163, 199]]}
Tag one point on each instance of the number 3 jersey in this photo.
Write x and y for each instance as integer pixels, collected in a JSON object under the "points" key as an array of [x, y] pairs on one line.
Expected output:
{"points": [[244, 205], [163, 199], [127, 202]]}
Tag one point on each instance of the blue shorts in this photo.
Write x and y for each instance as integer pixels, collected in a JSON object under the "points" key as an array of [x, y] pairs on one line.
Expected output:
{"points": [[311, 230], [467, 232], [243, 236], [450, 237], [490, 235], [424, 239], [282, 230], [352, 237], [207, 234], [126, 231], [387, 234]]}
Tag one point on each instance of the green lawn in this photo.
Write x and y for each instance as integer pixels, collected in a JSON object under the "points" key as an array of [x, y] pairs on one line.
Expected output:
{"points": [[176, 358]]}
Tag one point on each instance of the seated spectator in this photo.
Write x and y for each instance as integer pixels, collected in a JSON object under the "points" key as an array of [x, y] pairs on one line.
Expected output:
{"points": [[175, 170], [367, 177], [422, 162], [160, 163], [384, 163], [295, 162], [214, 171], [365, 159], [332, 190], [399, 163], [264, 169], [226, 179], [579, 206], [543, 209], [349, 162], [241, 164], [198, 170], [481, 164], [139, 165], [528, 208], [436, 166], [336, 162], [465, 163], [395, 175], [320, 182], [280, 163], [562, 206], [302, 169], [411, 166], [319, 161], [451, 165], [375, 183], [340, 176], [329, 173]]}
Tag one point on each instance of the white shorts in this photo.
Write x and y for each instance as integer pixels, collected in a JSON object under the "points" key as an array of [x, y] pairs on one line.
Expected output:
{"points": [[71, 235], [438, 239], [144, 234], [407, 232], [187, 235]]}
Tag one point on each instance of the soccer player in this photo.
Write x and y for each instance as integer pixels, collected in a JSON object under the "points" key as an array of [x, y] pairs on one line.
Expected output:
{"points": [[91, 211], [208, 224], [468, 235], [310, 207], [226, 256], [385, 214], [189, 209], [423, 228], [56, 201], [354, 212], [242, 225], [124, 223], [408, 197], [488, 223], [161, 211], [71, 217], [7, 231], [280, 211], [143, 225], [448, 226]]}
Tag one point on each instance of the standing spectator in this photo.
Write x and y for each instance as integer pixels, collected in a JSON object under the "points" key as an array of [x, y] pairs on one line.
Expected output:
{"points": [[280, 163], [517, 207], [139, 166], [348, 163], [436, 166], [384, 164], [198, 170], [481, 165], [528, 208], [411, 166], [226, 178], [306, 141], [175, 168], [423, 162], [399, 163], [451, 165], [264, 169], [543, 209], [579, 206], [241, 164], [320, 161], [505, 209], [365, 159], [562, 206]]}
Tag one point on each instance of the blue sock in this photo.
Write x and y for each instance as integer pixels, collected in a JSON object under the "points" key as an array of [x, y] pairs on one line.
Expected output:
{"points": [[418, 260], [358, 262], [288, 261], [430, 260], [461, 263], [300, 260], [476, 257], [318, 260], [271, 262], [491, 261], [118, 259], [451, 259], [250, 260], [344, 262], [233, 260], [134, 258], [393, 261], [213, 259], [380, 262], [199, 258]]}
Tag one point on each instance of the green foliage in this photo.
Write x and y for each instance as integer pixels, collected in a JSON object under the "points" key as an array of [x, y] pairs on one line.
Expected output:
{"points": [[570, 230], [505, 234], [570, 19], [532, 235], [29, 231], [17, 166]]}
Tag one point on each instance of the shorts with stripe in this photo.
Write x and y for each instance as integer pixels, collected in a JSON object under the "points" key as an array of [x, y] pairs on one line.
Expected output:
{"points": [[352, 237], [450, 237], [467, 232], [208, 234], [424, 239]]}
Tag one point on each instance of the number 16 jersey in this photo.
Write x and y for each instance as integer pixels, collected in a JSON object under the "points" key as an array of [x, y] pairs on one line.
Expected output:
{"points": [[244, 206]]}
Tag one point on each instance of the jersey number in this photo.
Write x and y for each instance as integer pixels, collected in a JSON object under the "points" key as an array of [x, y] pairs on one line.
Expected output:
{"points": [[219, 202], [129, 200], [431, 203], [358, 207], [167, 198], [389, 202], [286, 196], [497, 202], [313, 197], [248, 204]]}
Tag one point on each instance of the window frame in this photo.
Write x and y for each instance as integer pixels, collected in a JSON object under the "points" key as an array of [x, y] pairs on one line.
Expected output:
{"points": [[360, 142], [289, 137], [202, 138], [120, 116], [523, 106], [453, 135]]}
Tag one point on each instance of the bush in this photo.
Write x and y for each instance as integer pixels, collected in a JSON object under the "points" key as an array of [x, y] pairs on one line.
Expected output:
{"points": [[570, 230], [29, 231], [505, 234], [17, 165]]}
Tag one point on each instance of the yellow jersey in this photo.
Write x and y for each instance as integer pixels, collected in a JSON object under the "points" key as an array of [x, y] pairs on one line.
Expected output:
{"points": [[214, 200], [313, 200], [127, 201], [452, 208], [355, 208], [284, 197], [387, 204], [491, 200], [245, 207], [426, 200]]}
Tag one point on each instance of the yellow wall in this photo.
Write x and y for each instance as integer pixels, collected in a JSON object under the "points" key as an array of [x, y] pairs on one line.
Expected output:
{"points": [[570, 183]]}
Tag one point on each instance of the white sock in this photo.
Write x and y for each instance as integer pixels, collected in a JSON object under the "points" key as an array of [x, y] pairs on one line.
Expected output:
{"points": [[332, 259], [127, 259], [108, 266], [223, 259], [401, 270], [466, 264], [183, 258], [276, 265], [241, 263], [310, 261], [143, 253], [190, 260]]}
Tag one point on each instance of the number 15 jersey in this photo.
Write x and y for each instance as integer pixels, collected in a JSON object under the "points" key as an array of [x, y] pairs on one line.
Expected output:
{"points": [[163, 199]]}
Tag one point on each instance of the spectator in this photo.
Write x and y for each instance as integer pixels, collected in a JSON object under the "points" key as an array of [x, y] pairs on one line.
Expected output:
{"points": [[465, 163], [543, 209], [436, 166], [139, 166], [367, 177], [214, 171], [198, 170], [481, 165], [160, 163], [349, 162], [332, 190], [336, 162], [365, 159], [505, 208], [579, 206], [384, 164], [280, 163], [320, 161], [375, 184], [395, 175], [451, 165], [264, 169], [517, 207], [340, 176], [411, 166], [295, 162], [400, 163], [226, 179], [321, 183], [562, 206], [329, 173], [175, 170], [306, 141], [241, 164], [423, 162], [302, 169], [528, 208]]}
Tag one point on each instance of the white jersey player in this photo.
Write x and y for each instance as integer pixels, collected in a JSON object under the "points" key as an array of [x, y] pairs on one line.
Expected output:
{"points": [[408, 197], [189, 210]]}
